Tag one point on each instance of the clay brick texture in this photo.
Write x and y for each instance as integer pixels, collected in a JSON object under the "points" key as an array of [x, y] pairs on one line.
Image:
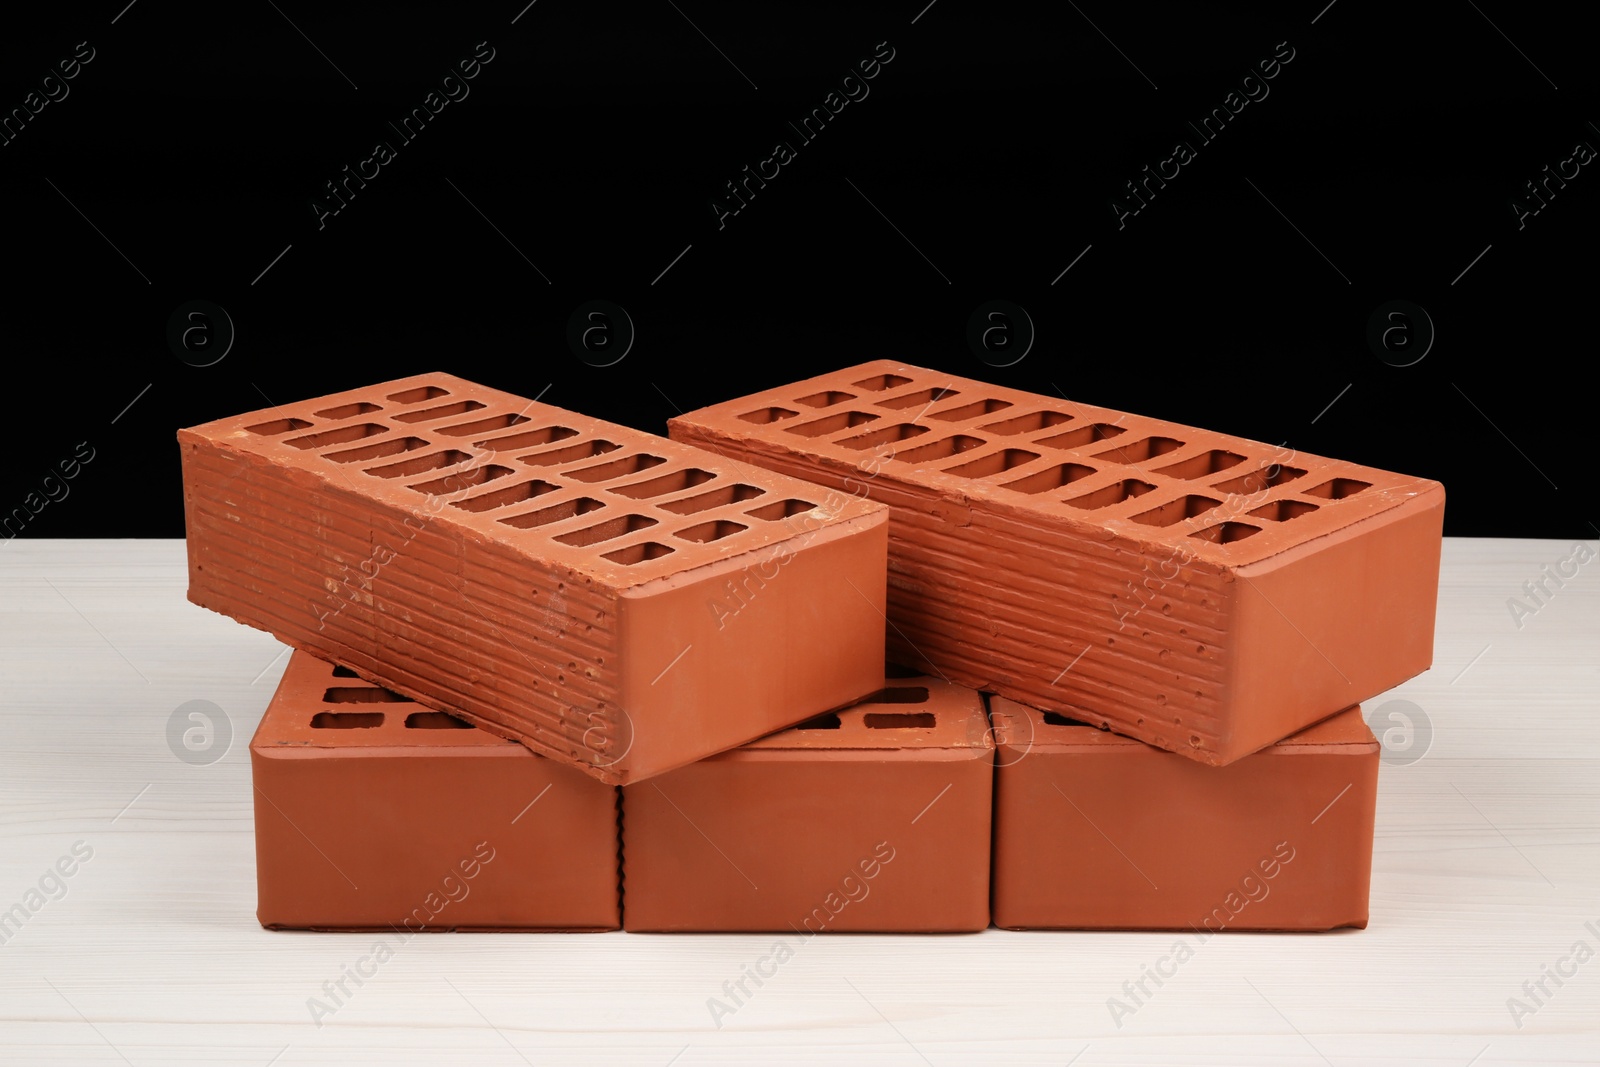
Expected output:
{"points": [[376, 813], [1097, 831], [875, 818], [1203, 593], [612, 599]]}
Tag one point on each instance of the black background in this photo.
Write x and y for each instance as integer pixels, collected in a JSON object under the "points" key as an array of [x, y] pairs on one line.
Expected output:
{"points": [[984, 160]]}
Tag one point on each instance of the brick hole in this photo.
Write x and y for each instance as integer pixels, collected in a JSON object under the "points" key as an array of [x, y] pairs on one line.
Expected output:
{"points": [[895, 670], [344, 411], [344, 672], [833, 423], [941, 449], [899, 720], [391, 447], [343, 435], [898, 694], [567, 509], [419, 394], [1260, 479], [973, 410], [1141, 450], [435, 720], [500, 498], [544, 435], [1225, 533], [277, 426], [667, 483], [824, 399], [461, 481], [617, 468], [443, 411], [1083, 435], [1283, 510], [1050, 478], [715, 530], [1184, 507], [828, 721], [1115, 493], [716, 498], [900, 431], [570, 454], [879, 382], [1029, 423], [920, 398], [1337, 489], [1055, 718], [360, 694], [994, 463], [419, 464], [1205, 463], [609, 530], [637, 553], [781, 509], [493, 422], [346, 720], [765, 416]]}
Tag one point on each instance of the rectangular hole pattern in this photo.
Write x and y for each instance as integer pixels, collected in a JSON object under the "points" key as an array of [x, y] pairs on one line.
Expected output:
{"points": [[533, 468], [923, 398], [992, 464], [461, 481], [435, 720], [420, 464], [500, 498], [899, 720], [347, 720], [489, 425], [442, 411], [825, 399], [976, 410], [345, 411], [1185, 482], [277, 426], [360, 694]]}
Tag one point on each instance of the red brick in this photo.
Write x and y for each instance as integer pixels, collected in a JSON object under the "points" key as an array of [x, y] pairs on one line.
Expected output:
{"points": [[610, 598], [875, 818], [376, 813], [1201, 592], [1095, 830]]}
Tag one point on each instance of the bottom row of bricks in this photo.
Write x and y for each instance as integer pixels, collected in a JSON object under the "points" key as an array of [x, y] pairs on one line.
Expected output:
{"points": [[915, 810]]}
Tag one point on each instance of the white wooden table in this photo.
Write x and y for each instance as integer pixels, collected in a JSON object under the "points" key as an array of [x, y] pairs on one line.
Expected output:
{"points": [[1487, 869]]}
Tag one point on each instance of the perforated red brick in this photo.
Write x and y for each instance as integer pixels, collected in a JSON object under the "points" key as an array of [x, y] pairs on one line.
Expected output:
{"points": [[1097, 831], [875, 818], [376, 813], [610, 598], [1201, 592]]}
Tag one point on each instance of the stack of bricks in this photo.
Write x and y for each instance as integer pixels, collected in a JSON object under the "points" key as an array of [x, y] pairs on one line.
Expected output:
{"points": [[588, 677]]}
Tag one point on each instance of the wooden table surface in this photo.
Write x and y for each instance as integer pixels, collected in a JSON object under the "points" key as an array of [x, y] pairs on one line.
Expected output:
{"points": [[1486, 876]]}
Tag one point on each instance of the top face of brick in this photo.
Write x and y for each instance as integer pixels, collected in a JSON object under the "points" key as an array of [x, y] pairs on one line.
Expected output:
{"points": [[907, 714], [617, 504], [1212, 496], [323, 706], [1022, 727]]}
